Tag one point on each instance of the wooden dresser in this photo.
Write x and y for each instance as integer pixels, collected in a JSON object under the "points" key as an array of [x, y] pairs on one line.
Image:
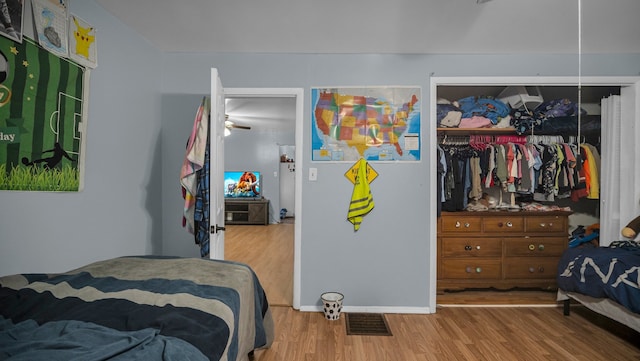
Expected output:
{"points": [[500, 249]]}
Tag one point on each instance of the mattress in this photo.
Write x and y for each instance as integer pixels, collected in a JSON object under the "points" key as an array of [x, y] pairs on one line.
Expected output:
{"points": [[165, 306]]}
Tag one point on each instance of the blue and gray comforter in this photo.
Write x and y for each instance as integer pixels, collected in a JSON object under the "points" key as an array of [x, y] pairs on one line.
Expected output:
{"points": [[602, 272], [136, 308]]}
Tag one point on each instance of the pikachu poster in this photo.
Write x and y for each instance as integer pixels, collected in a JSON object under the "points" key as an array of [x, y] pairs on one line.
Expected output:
{"points": [[82, 42]]}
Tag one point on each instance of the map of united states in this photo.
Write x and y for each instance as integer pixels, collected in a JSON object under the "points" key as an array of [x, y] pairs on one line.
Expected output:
{"points": [[362, 121]]}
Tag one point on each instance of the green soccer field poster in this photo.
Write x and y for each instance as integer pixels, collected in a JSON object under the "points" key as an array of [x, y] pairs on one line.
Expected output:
{"points": [[42, 119]]}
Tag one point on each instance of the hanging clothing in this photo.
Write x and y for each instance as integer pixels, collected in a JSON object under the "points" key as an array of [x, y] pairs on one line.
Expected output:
{"points": [[361, 199], [476, 182], [547, 170], [592, 173], [194, 161], [457, 181], [201, 207], [442, 171]]}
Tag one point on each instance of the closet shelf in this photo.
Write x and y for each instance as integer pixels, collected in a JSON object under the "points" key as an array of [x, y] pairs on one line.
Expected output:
{"points": [[465, 131]]}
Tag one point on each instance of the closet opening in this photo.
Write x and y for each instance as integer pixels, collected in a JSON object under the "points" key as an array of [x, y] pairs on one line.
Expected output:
{"points": [[492, 215]]}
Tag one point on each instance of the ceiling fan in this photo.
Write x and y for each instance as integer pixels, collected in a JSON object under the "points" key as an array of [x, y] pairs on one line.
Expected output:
{"points": [[228, 125]]}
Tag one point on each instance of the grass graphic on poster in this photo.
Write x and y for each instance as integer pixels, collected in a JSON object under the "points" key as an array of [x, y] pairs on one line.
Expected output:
{"points": [[41, 137]]}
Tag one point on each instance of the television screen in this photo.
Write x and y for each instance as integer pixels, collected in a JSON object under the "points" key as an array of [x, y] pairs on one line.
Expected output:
{"points": [[242, 184]]}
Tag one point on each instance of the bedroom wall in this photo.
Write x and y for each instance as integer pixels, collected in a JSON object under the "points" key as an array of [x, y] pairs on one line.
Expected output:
{"points": [[386, 263], [135, 146], [118, 212]]}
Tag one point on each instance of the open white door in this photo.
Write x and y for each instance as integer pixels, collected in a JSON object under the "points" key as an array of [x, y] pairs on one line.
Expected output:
{"points": [[216, 175]]}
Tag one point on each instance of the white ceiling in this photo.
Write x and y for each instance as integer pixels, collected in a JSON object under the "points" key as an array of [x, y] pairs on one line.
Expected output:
{"points": [[374, 26], [262, 113], [391, 26]]}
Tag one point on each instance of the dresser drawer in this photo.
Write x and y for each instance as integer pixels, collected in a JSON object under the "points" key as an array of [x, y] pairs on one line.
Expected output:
{"points": [[546, 224], [471, 269], [502, 250], [470, 247], [503, 224], [530, 268], [534, 246], [461, 224]]}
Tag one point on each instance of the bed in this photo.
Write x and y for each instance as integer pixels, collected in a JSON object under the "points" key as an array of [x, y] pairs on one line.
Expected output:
{"points": [[136, 308], [604, 279]]}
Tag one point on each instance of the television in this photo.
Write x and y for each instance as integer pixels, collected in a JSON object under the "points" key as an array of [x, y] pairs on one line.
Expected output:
{"points": [[242, 184]]}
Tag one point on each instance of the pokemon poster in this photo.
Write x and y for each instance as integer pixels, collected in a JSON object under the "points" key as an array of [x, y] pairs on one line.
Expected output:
{"points": [[82, 42], [41, 119]]}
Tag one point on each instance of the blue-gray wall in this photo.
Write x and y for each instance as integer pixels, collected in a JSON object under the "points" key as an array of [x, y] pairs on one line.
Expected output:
{"points": [[141, 108], [119, 212], [386, 263]]}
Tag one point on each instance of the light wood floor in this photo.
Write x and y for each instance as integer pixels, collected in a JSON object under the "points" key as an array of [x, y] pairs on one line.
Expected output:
{"points": [[269, 251], [458, 333], [462, 328]]}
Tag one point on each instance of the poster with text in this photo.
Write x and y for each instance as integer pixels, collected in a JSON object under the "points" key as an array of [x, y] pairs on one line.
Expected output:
{"points": [[41, 119], [374, 123]]}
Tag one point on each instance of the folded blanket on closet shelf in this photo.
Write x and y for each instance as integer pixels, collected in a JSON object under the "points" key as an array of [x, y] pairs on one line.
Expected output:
{"points": [[554, 116], [484, 106], [448, 115], [473, 112]]}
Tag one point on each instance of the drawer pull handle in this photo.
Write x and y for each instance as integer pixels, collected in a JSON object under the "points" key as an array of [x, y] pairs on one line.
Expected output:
{"points": [[468, 248], [541, 269], [500, 224], [541, 247], [509, 224], [532, 247], [470, 269], [551, 224], [478, 248], [466, 224], [542, 225], [532, 270]]}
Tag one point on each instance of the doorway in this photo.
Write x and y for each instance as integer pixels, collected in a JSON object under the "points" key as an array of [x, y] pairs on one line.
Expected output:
{"points": [[270, 96]]}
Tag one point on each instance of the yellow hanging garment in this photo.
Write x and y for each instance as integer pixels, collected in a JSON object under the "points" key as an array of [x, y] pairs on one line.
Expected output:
{"points": [[361, 198]]}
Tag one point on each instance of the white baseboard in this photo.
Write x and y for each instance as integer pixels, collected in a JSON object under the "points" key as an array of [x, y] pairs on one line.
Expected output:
{"points": [[374, 309]]}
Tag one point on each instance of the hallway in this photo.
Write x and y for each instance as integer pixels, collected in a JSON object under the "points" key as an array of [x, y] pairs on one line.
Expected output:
{"points": [[269, 251]]}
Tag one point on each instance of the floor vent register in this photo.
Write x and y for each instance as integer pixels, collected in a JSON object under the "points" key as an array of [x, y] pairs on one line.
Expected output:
{"points": [[367, 324]]}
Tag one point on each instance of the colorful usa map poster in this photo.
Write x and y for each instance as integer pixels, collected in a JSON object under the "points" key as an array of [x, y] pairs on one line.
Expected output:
{"points": [[374, 123], [41, 119]]}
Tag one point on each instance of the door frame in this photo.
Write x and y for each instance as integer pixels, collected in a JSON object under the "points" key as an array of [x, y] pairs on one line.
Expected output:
{"points": [[298, 94]]}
